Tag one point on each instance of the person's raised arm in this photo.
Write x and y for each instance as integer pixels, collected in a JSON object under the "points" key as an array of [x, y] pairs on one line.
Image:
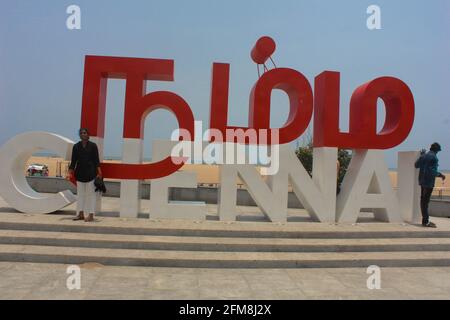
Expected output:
{"points": [[418, 163], [434, 169]]}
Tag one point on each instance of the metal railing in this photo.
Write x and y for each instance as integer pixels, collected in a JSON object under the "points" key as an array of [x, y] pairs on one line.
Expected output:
{"points": [[441, 192]]}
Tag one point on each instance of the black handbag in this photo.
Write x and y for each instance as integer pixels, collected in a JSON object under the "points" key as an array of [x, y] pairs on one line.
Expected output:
{"points": [[99, 185]]}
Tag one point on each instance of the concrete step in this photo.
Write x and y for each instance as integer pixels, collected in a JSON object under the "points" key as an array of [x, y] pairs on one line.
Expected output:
{"points": [[196, 259], [221, 229], [219, 244]]}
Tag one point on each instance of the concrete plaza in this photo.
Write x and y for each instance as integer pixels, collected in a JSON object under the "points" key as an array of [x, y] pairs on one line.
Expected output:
{"points": [[30, 280], [48, 281]]}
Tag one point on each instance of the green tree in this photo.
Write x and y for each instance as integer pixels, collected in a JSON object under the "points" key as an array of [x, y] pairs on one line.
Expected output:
{"points": [[344, 158], [305, 155]]}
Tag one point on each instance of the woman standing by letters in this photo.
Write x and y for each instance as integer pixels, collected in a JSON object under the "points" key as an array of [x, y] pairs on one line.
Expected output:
{"points": [[85, 167]]}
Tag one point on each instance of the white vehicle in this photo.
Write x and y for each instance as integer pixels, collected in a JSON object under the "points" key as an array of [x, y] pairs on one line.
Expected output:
{"points": [[37, 170]]}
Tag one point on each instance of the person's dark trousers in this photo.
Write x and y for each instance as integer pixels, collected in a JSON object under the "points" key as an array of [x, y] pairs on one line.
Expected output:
{"points": [[424, 202]]}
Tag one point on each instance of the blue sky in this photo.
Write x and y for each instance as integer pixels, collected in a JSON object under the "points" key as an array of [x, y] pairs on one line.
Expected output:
{"points": [[41, 61]]}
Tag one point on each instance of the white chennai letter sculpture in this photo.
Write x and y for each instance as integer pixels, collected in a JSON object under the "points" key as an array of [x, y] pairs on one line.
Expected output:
{"points": [[14, 187]]}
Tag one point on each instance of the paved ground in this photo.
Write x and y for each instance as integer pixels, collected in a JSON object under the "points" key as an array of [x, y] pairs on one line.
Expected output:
{"points": [[48, 281]]}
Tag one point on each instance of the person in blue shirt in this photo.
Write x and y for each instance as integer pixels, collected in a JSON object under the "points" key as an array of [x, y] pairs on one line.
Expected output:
{"points": [[428, 164]]}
